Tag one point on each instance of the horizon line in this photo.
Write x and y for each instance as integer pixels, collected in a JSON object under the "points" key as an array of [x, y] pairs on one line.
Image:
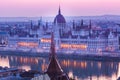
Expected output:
{"points": [[66, 16]]}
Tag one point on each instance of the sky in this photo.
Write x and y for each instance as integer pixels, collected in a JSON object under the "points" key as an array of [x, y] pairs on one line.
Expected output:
{"points": [[36, 8]]}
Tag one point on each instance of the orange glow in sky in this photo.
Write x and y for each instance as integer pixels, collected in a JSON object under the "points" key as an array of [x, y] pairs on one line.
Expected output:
{"points": [[50, 7]]}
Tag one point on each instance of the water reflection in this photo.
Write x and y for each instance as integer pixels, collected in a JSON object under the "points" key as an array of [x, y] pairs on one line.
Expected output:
{"points": [[118, 73], [92, 70], [25, 67], [79, 69], [4, 61]]}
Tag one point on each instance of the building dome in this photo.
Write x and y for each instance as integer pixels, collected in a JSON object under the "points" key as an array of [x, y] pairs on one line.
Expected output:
{"points": [[59, 18]]}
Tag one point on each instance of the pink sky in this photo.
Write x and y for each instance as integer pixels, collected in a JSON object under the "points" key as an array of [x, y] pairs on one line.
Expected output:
{"points": [[34, 8]]}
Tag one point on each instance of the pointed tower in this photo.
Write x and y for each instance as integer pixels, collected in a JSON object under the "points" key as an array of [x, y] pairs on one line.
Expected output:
{"points": [[82, 22], [90, 25], [90, 28], [31, 24], [46, 25], [40, 22], [59, 18], [31, 27], [54, 69], [52, 48], [59, 10]]}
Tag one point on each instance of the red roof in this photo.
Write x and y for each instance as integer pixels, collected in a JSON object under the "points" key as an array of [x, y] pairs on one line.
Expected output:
{"points": [[54, 70]]}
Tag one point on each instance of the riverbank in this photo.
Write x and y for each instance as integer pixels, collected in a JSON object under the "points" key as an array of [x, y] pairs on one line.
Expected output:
{"points": [[90, 57]]}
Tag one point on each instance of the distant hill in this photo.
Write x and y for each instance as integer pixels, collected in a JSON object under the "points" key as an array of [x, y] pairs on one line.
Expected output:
{"points": [[68, 18]]}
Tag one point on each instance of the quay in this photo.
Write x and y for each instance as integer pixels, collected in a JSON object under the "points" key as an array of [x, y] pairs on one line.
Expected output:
{"points": [[10, 71]]}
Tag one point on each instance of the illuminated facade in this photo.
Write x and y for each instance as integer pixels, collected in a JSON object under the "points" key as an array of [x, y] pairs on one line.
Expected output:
{"points": [[73, 36], [27, 44], [23, 42], [79, 37]]}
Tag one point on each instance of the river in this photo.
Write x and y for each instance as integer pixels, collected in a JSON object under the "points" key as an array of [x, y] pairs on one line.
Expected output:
{"points": [[80, 69]]}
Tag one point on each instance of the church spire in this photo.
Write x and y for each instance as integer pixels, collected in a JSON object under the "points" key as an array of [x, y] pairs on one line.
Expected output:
{"points": [[52, 48], [59, 10]]}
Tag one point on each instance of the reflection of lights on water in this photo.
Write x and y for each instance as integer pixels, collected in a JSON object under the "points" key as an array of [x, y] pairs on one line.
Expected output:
{"points": [[112, 65], [66, 63], [70, 74], [91, 64], [103, 77], [94, 78], [74, 63], [27, 68], [118, 73], [76, 78], [114, 77], [83, 64], [44, 65], [28, 60], [99, 65], [4, 62]]}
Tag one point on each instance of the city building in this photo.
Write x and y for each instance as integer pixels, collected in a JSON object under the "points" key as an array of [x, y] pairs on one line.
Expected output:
{"points": [[54, 70], [3, 39], [70, 37], [77, 37]]}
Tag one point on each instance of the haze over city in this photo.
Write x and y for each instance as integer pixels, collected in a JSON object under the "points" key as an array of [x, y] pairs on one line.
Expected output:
{"points": [[34, 8]]}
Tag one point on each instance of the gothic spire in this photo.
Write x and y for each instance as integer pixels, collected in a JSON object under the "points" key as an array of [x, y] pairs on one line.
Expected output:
{"points": [[82, 22], [52, 48], [59, 10], [90, 25]]}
